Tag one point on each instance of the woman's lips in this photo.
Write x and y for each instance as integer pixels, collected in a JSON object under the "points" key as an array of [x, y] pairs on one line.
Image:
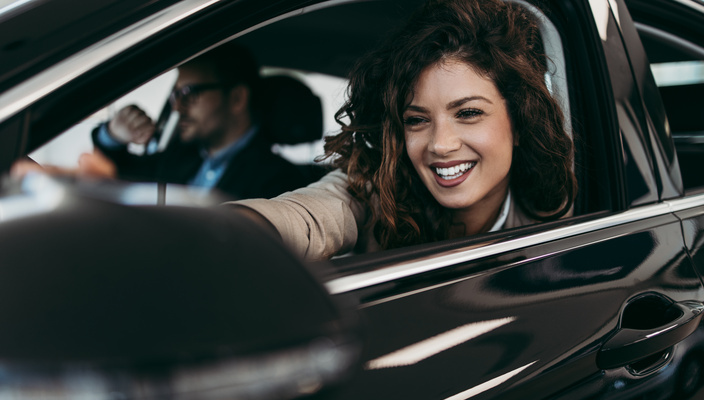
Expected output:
{"points": [[451, 174]]}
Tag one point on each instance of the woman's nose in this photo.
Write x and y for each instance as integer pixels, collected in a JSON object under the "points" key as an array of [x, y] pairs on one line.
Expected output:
{"points": [[444, 139]]}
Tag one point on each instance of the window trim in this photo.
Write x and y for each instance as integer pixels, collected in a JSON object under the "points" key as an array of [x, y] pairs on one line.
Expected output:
{"points": [[445, 259]]}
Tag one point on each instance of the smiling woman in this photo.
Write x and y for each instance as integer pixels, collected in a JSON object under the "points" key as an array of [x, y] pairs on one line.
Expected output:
{"points": [[449, 130], [460, 142]]}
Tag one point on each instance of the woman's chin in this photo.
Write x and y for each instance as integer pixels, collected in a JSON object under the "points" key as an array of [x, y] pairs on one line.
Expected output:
{"points": [[454, 202]]}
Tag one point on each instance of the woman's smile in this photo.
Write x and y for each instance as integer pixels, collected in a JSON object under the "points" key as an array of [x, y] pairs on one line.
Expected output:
{"points": [[453, 173]]}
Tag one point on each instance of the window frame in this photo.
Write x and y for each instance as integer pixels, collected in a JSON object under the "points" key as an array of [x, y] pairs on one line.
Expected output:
{"points": [[361, 271], [684, 142]]}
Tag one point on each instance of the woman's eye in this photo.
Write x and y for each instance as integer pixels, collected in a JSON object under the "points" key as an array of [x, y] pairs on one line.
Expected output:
{"points": [[469, 113], [413, 121]]}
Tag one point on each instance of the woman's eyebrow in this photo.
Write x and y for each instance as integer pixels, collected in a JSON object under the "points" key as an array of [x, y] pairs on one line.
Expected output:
{"points": [[416, 108], [459, 102]]}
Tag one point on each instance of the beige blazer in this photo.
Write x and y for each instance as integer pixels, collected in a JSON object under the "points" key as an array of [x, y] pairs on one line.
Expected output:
{"points": [[322, 219]]}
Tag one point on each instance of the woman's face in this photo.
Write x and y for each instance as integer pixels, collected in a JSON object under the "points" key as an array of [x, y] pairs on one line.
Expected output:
{"points": [[459, 138]]}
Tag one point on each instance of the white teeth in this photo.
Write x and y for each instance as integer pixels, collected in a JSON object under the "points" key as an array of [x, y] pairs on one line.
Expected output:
{"points": [[454, 172]]}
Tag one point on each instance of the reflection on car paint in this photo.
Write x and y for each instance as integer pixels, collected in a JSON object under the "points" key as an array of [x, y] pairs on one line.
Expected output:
{"points": [[429, 347], [469, 393]]}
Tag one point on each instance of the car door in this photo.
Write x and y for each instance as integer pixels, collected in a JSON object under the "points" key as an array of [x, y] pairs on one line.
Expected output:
{"points": [[588, 307], [670, 33]]}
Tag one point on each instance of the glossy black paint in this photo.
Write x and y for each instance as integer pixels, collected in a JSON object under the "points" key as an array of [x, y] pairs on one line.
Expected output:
{"points": [[563, 299], [600, 173], [655, 121], [641, 184], [693, 228]]}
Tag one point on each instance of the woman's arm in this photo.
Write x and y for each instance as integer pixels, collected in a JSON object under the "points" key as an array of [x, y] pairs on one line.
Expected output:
{"points": [[318, 221]]}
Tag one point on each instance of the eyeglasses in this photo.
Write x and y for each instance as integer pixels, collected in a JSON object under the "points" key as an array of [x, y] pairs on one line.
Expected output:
{"points": [[185, 95]]}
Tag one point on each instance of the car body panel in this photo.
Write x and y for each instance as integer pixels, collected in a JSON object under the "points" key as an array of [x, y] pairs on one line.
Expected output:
{"points": [[693, 222], [640, 182], [655, 121], [542, 299], [644, 161]]}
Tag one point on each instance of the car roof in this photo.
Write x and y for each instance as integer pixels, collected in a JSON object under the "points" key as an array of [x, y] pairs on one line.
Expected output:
{"points": [[35, 34], [328, 40]]}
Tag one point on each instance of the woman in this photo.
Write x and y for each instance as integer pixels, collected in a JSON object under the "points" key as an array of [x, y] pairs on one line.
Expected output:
{"points": [[451, 131]]}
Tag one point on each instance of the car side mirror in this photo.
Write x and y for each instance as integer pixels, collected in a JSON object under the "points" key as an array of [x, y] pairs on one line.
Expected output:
{"points": [[104, 300]]}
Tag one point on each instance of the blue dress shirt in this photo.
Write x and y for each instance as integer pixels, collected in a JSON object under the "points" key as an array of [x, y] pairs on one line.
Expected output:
{"points": [[213, 167]]}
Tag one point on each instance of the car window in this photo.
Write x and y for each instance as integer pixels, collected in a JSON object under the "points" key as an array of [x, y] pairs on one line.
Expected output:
{"points": [[570, 80], [284, 47], [65, 149], [678, 68]]}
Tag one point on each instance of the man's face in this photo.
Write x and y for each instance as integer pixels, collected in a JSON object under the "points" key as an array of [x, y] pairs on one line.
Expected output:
{"points": [[204, 113]]}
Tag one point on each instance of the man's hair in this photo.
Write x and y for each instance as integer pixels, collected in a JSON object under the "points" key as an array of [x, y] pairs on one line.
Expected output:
{"points": [[500, 41], [233, 64]]}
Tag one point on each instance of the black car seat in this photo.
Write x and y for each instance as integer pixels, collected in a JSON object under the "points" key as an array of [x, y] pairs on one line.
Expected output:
{"points": [[291, 114]]}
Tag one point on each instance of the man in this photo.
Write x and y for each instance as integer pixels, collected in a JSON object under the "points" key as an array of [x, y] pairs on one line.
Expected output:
{"points": [[218, 141]]}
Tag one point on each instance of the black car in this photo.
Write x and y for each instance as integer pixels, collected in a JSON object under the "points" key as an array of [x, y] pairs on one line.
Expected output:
{"points": [[115, 290]]}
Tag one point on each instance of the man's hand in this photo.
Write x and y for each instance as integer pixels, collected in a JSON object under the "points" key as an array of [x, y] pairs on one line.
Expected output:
{"points": [[131, 125], [96, 165], [90, 165]]}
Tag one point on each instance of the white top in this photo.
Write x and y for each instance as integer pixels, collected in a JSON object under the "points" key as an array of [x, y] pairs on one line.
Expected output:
{"points": [[503, 216]]}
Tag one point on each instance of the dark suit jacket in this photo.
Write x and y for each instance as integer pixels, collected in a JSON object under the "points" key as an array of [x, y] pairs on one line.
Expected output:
{"points": [[254, 172]]}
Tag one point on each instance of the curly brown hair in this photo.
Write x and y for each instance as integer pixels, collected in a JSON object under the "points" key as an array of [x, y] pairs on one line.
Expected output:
{"points": [[499, 40]]}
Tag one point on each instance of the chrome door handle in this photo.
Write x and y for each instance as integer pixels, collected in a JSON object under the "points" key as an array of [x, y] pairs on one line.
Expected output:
{"points": [[630, 345]]}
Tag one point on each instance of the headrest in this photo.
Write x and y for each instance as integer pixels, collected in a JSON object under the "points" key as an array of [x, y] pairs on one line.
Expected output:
{"points": [[291, 113]]}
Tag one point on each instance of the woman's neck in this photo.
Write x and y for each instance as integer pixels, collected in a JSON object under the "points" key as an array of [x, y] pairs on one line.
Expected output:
{"points": [[478, 218]]}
